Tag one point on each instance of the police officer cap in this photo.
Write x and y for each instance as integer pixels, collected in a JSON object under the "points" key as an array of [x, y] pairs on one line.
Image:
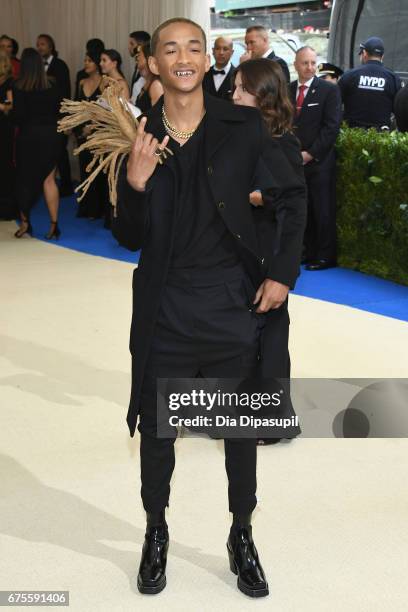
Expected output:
{"points": [[327, 69], [373, 46]]}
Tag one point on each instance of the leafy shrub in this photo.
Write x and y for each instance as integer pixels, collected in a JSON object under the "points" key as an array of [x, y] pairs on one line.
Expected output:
{"points": [[372, 202]]}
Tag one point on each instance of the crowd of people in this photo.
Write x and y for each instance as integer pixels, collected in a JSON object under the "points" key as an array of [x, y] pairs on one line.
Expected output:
{"points": [[32, 152], [32, 87], [223, 227]]}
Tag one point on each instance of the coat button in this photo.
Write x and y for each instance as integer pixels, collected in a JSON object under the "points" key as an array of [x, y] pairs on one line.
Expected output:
{"points": [[221, 205], [261, 260], [238, 236], [210, 169]]}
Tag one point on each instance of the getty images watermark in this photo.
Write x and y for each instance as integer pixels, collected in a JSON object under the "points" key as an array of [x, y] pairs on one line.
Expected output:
{"points": [[201, 399], [282, 408], [225, 408]]}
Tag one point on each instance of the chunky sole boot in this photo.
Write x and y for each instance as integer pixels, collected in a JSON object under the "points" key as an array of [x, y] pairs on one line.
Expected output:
{"points": [[244, 563], [151, 578]]}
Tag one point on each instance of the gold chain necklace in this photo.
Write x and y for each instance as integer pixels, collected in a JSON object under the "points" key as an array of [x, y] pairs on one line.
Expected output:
{"points": [[174, 131]]}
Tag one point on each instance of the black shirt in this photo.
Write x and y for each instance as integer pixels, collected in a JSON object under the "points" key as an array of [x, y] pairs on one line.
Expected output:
{"points": [[202, 240], [368, 94], [143, 101]]}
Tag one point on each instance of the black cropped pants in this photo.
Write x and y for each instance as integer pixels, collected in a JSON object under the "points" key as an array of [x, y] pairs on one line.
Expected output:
{"points": [[205, 328]]}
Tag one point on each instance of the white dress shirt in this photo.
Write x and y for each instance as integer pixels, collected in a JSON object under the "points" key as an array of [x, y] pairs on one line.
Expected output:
{"points": [[220, 78], [307, 85], [47, 62], [137, 88]]}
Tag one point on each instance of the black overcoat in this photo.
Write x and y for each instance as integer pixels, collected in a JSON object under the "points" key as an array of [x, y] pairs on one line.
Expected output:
{"points": [[240, 156]]}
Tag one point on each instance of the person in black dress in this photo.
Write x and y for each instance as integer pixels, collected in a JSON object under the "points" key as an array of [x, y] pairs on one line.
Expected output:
{"points": [[95, 204], [56, 68], [94, 48], [152, 89], [6, 139], [261, 83], [36, 103]]}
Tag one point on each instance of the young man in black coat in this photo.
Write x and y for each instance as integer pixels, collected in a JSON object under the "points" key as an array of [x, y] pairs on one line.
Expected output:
{"points": [[317, 123], [201, 272], [57, 68]]}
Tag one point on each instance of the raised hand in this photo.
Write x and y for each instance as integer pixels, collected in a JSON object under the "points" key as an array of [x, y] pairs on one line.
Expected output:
{"points": [[245, 56], [144, 157]]}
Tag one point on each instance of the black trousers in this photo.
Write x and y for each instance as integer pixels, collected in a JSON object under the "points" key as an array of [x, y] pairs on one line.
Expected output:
{"points": [[320, 234], [205, 328]]}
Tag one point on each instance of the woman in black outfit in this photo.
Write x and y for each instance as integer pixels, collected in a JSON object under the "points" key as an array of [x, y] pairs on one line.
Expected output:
{"points": [[36, 103], [95, 204], [6, 139], [152, 90], [261, 83]]}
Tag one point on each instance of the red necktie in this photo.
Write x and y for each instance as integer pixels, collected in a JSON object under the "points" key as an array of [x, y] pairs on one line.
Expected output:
{"points": [[300, 98]]}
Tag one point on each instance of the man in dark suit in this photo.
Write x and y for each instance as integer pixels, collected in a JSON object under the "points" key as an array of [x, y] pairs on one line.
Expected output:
{"points": [[217, 81], [257, 43], [317, 123], [201, 272], [57, 68]]}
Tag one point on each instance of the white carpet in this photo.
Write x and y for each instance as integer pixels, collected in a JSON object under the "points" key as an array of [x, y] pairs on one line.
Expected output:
{"points": [[331, 524]]}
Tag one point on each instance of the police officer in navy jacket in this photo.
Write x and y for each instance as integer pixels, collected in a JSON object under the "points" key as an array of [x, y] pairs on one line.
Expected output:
{"points": [[368, 92]]}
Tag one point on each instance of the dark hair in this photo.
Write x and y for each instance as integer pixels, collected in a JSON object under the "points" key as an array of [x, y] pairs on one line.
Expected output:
{"points": [[156, 33], [15, 46], [140, 36], [146, 49], [32, 73], [95, 58], [264, 79], [51, 43], [5, 37], [114, 56], [95, 45]]}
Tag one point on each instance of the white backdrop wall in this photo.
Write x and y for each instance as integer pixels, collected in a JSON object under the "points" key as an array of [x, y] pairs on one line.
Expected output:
{"points": [[72, 22]]}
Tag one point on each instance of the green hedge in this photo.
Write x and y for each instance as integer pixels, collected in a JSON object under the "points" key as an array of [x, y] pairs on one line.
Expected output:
{"points": [[372, 202]]}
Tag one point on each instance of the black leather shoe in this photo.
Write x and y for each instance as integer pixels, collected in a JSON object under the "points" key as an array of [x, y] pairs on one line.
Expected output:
{"points": [[151, 578], [320, 264], [244, 562]]}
